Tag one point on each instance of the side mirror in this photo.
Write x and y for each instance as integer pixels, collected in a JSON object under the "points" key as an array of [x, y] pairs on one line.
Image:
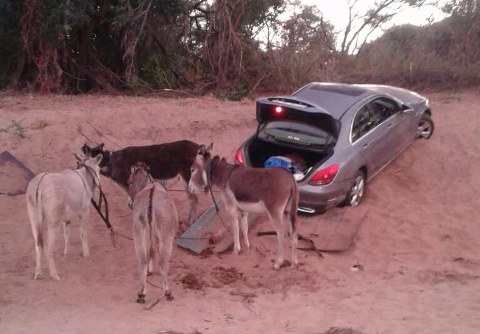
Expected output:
{"points": [[406, 109]]}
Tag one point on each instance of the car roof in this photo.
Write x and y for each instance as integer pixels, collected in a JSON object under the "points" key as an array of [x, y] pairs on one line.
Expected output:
{"points": [[335, 98]]}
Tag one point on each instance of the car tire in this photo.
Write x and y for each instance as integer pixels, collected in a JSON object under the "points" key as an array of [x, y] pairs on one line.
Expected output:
{"points": [[357, 191], [425, 127]]}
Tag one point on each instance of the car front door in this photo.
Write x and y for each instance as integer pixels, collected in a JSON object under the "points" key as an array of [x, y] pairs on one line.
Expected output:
{"points": [[371, 137], [398, 123]]}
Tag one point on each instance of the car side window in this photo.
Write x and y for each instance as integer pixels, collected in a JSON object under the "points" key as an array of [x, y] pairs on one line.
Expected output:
{"points": [[385, 108], [365, 120], [372, 114]]}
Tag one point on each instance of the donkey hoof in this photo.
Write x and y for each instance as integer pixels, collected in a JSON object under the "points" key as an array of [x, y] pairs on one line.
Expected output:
{"points": [[236, 251], [37, 277], [55, 277], [169, 296], [141, 299], [294, 266], [276, 266]]}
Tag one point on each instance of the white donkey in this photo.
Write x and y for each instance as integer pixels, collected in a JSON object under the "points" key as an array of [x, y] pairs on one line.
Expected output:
{"points": [[55, 198], [155, 222]]}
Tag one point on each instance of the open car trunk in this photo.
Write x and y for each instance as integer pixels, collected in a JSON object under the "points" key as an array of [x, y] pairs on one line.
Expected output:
{"points": [[292, 133], [259, 151]]}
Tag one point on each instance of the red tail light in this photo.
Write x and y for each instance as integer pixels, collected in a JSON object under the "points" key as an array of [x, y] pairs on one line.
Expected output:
{"points": [[325, 176], [278, 110], [239, 157]]}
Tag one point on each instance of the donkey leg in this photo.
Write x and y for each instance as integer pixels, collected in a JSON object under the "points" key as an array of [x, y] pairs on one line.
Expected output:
{"points": [[233, 214], [193, 200], [66, 236], [244, 227], [165, 250], [293, 240], [51, 234], [83, 235], [277, 222], [37, 236], [141, 238], [38, 253], [153, 256]]}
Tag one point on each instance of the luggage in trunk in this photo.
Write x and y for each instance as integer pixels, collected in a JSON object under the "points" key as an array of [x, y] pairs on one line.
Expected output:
{"points": [[259, 151]]}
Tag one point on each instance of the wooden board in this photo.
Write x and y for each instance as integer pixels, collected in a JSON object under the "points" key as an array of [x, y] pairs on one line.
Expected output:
{"points": [[335, 229], [209, 231], [14, 176], [331, 231]]}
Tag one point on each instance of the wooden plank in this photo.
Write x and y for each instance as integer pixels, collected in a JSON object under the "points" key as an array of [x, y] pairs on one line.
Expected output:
{"points": [[209, 232], [14, 176], [331, 231], [335, 229]]}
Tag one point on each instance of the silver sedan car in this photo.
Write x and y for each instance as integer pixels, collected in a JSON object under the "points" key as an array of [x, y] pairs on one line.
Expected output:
{"points": [[335, 137]]}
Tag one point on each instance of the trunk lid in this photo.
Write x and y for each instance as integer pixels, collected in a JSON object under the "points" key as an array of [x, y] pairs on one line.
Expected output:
{"points": [[296, 121]]}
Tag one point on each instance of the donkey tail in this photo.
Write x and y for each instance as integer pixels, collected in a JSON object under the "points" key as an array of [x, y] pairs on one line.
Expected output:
{"points": [[35, 212], [294, 205]]}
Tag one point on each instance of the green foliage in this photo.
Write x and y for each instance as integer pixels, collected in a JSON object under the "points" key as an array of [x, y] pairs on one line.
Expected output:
{"points": [[157, 72], [239, 92], [226, 45], [18, 129], [9, 38]]}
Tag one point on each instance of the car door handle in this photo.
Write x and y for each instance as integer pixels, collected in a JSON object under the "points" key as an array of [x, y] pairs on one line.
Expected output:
{"points": [[389, 126], [365, 145]]}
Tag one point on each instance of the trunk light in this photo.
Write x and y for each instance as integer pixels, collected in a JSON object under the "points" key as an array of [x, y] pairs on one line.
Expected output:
{"points": [[325, 176], [239, 157]]}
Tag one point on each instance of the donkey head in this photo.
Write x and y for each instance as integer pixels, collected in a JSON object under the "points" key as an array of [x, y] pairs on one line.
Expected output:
{"points": [[98, 150], [199, 178], [139, 177], [91, 163]]}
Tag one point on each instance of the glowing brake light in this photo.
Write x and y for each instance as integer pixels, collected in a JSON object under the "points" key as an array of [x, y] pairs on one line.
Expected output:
{"points": [[325, 176], [239, 157], [278, 110]]}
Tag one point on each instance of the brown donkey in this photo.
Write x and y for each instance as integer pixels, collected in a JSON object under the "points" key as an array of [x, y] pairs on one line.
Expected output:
{"points": [[155, 222], [270, 191], [168, 162]]}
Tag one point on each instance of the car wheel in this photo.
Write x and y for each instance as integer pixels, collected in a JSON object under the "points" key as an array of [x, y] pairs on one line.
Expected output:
{"points": [[356, 192], [425, 127]]}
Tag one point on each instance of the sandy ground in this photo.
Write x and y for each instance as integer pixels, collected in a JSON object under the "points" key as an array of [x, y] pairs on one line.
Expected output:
{"points": [[419, 246]]}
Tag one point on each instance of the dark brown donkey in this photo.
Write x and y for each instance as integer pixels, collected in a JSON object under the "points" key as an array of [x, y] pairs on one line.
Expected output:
{"points": [[270, 191], [168, 163]]}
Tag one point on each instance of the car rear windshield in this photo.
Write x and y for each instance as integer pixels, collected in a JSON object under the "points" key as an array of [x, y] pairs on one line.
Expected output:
{"points": [[294, 132]]}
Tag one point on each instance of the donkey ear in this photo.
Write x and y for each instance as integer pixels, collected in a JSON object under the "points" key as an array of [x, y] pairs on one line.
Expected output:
{"points": [[133, 169], [223, 160], [100, 147], [201, 150], [87, 150], [98, 158], [209, 148], [79, 159]]}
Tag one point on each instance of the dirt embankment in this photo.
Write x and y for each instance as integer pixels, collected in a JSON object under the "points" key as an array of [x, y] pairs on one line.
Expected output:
{"points": [[419, 246]]}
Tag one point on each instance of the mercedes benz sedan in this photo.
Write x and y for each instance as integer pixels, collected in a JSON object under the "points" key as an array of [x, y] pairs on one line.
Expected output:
{"points": [[334, 138]]}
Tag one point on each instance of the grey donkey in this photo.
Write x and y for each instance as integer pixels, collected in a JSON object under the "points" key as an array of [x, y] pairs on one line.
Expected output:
{"points": [[270, 191], [155, 222], [56, 198]]}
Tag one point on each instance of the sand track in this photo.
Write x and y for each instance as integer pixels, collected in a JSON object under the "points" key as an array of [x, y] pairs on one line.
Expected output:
{"points": [[419, 247]]}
